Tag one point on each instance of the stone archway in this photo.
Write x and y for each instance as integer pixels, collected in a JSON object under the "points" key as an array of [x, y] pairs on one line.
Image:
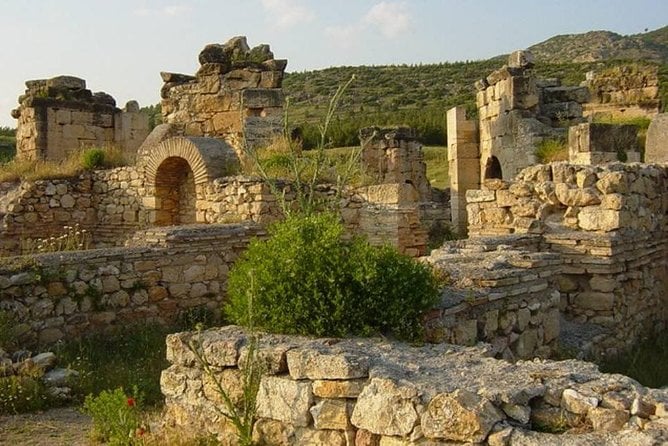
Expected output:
{"points": [[175, 194], [176, 170]]}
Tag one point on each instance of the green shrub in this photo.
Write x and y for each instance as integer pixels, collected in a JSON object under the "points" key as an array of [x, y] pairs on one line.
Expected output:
{"points": [[116, 417], [310, 278], [92, 159], [21, 394]]}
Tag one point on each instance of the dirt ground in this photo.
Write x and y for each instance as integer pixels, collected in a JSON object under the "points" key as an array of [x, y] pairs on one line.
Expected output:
{"points": [[55, 427]]}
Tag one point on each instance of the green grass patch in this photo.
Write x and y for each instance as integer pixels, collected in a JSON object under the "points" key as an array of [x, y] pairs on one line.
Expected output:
{"points": [[647, 362], [553, 149], [131, 357], [436, 158]]}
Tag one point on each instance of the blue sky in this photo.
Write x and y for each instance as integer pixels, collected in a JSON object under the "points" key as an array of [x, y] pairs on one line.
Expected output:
{"points": [[120, 46]]}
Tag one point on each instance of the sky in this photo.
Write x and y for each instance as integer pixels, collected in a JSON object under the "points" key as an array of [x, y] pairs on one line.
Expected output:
{"points": [[120, 46]]}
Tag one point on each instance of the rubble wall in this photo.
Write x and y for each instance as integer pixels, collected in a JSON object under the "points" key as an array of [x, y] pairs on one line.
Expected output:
{"points": [[608, 223], [67, 294], [339, 392]]}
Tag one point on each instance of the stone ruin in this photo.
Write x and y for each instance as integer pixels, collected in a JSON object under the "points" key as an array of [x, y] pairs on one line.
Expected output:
{"points": [[60, 115], [235, 95], [517, 111], [572, 254], [624, 91]]}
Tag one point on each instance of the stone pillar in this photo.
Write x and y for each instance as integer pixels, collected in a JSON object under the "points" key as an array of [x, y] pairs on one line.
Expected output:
{"points": [[464, 163], [656, 145], [598, 143]]}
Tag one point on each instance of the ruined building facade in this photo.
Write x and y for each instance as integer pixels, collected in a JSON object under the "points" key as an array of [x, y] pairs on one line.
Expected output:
{"points": [[235, 95], [60, 115]]}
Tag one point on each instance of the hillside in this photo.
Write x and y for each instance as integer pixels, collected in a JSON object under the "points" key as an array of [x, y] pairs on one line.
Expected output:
{"points": [[597, 46], [419, 95]]}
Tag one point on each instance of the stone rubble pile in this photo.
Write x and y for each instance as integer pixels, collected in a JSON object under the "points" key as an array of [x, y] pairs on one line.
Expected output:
{"points": [[43, 365], [371, 392]]}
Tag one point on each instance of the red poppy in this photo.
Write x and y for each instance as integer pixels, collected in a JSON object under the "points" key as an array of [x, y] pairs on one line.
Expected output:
{"points": [[131, 402]]}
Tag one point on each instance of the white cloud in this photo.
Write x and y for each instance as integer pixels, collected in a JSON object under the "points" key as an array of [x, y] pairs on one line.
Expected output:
{"points": [[390, 18], [174, 10], [287, 13]]}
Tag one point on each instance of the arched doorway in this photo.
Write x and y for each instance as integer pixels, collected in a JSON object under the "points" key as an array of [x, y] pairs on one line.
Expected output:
{"points": [[493, 168], [175, 196]]}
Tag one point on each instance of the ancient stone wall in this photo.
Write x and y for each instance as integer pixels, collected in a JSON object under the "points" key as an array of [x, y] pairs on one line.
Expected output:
{"points": [[68, 294], [59, 116], [517, 111], [499, 292], [602, 143], [235, 95], [369, 392], [623, 92], [610, 226]]}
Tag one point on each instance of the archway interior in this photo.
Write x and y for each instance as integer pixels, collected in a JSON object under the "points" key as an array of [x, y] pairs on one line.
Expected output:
{"points": [[175, 193], [493, 168]]}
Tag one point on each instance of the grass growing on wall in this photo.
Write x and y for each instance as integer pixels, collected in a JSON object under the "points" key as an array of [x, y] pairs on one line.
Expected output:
{"points": [[74, 164], [550, 150]]}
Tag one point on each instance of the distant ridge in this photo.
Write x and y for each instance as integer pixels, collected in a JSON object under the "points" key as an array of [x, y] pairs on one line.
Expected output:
{"points": [[597, 46]]}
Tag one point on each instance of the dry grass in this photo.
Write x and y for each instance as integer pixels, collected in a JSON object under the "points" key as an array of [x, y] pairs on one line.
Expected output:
{"points": [[30, 170], [550, 150]]}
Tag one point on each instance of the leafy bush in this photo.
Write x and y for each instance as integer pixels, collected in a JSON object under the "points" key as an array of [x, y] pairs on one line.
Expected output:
{"points": [[93, 158], [310, 278], [116, 417]]}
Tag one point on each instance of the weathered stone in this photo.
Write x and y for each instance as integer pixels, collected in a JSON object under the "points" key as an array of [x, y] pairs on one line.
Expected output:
{"points": [[460, 416], [331, 414], [45, 361], [338, 389], [575, 402], [656, 150], [608, 420], [313, 364], [285, 400], [386, 408]]}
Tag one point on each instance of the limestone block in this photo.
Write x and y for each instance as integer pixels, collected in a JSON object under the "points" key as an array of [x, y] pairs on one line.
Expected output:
{"points": [[607, 420], [313, 364], [320, 437], [577, 403], [592, 218], [338, 389], [272, 432], [595, 301], [386, 407], [459, 416], [480, 196], [285, 400], [331, 414], [577, 197], [656, 144], [613, 182]]}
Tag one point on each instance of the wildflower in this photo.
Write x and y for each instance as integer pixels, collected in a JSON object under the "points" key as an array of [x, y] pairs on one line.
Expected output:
{"points": [[131, 402]]}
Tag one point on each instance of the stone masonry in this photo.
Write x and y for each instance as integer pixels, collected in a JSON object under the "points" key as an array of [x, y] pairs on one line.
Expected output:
{"points": [[623, 92], [235, 95], [656, 145], [66, 295], [334, 392], [609, 224], [60, 115], [602, 143]]}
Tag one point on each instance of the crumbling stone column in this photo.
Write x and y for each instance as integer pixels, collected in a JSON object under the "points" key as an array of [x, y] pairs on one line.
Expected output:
{"points": [[463, 163], [60, 115], [393, 155], [236, 95]]}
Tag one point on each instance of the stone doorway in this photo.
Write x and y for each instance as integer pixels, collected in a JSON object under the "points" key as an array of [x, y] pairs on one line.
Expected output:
{"points": [[175, 193], [493, 169]]}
